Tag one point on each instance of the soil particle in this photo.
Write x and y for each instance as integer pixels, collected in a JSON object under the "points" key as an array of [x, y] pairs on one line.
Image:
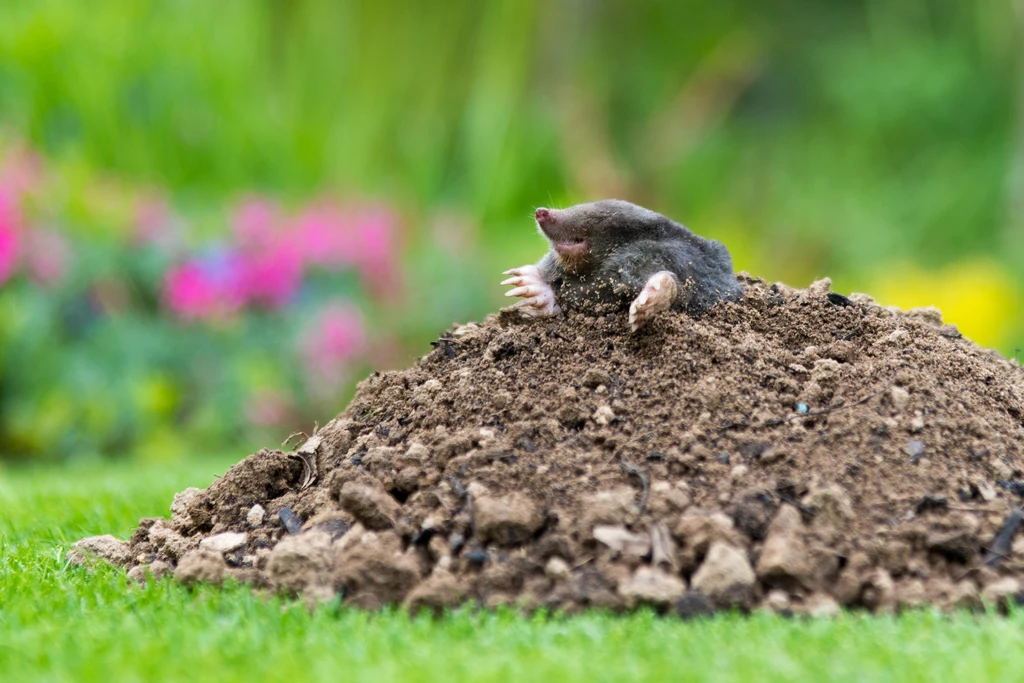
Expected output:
{"points": [[371, 505], [506, 521], [785, 561], [651, 586], [108, 548], [201, 566], [439, 591], [725, 576], [791, 450]]}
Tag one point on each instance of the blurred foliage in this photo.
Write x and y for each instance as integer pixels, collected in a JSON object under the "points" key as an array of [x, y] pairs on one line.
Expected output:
{"points": [[879, 143]]}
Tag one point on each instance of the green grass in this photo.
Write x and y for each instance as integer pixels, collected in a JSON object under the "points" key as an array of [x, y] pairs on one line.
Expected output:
{"points": [[60, 623]]}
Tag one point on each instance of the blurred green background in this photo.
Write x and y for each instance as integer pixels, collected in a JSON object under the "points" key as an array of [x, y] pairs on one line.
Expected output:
{"points": [[216, 216]]}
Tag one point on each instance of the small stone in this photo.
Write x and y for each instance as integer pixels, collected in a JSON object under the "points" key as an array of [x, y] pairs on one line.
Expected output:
{"points": [[915, 449], [557, 569], [725, 576], [225, 542], [985, 490], [900, 398], [255, 515], [622, 541], [738, 472], [784, 557], [917, 423], [417, 451], [777, 601], [604, 415], [508, 520], [652, 587], [290, 521], [370, 505]]}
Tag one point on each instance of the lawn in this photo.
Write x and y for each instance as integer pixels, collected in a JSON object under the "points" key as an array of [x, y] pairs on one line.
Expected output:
{"points": [[60, 623]]}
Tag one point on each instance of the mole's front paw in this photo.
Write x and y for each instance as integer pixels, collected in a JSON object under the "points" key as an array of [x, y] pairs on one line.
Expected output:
{"points": [[656, 296], [538, 297]]}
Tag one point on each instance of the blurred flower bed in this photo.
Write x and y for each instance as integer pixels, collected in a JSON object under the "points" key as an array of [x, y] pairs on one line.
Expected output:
{"points": [[128, 329]]}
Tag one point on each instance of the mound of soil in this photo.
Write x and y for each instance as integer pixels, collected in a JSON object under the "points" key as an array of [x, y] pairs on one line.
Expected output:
{"points": [[797, 450]]}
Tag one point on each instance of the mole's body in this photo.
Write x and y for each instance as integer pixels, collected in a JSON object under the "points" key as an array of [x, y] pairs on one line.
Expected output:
{"points": [[616, 252]]}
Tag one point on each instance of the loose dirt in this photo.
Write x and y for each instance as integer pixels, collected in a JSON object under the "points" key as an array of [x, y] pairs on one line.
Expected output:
{"points": [[796, 451]]}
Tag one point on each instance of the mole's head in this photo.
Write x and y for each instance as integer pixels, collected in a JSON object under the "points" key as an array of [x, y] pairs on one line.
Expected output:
{"points": [[584, 235]]}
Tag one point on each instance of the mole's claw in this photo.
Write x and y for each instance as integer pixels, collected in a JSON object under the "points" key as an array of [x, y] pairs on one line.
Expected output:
{"points": [[526, 290], [538, 299], [656, 296]]}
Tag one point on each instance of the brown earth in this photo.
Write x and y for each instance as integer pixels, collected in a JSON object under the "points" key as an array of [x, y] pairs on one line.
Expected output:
{"points": [[796, 451]]}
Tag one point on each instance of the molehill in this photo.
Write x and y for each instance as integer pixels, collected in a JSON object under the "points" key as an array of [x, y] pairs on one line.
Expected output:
{"points": [[796, 450]]}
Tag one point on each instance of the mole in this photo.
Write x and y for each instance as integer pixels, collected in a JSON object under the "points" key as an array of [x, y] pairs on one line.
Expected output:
{"points": [[612, 251]]}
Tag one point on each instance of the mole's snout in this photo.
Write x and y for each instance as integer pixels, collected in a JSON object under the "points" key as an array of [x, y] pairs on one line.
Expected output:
{"points": [[543, 216]]}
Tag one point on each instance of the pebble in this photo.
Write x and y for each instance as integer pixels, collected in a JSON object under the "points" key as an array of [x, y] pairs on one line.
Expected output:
{"points": [[225, 542], [604, 415], [900, 398], [556, 569], [652, 586], [915, 449], [255, 515], [725, 576], [291, 522]]}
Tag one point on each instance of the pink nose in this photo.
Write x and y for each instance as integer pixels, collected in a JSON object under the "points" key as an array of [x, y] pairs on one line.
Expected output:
{"points": [[542, 215]]}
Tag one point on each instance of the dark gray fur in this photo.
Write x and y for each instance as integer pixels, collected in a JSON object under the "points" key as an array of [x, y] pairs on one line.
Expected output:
{"points": [[629, 244]]}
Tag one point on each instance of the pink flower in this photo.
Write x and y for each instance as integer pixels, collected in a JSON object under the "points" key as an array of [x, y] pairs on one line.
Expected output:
{"points": [[335, 340], [205, 288], [378, 251], [324, 236], [364, 238], [10, 225], [272, 278]]}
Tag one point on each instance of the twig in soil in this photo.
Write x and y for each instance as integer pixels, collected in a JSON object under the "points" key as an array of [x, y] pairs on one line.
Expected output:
{"points": [[583, 562], [825, 411], [645, 481], [1002, 544]]}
